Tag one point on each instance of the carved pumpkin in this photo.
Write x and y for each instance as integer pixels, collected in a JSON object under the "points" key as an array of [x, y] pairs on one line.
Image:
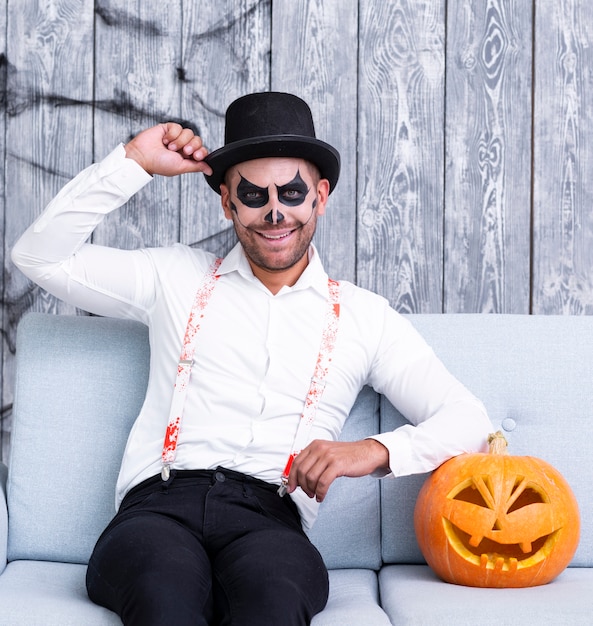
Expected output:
{"points": [[496, 520]]}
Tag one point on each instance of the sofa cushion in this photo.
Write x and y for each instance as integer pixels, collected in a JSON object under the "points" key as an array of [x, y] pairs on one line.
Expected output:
{"points": [[69, 434], [405, 589], [52, 594], [347, 531], [353, 600], [532, 373]]}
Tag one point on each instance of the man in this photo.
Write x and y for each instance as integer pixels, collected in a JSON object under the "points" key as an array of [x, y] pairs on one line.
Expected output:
{"points": [[256, 361]]}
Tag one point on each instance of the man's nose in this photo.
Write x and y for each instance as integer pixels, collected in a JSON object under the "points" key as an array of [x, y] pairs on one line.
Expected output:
{"points": [[274, 216]]}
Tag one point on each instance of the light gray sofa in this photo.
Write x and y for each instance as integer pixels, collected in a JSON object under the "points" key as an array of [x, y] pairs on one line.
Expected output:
{"points": [[80, 382]]}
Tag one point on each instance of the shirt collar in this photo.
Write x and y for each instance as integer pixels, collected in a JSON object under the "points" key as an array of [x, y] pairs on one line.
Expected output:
{"points": [[313, 277]]}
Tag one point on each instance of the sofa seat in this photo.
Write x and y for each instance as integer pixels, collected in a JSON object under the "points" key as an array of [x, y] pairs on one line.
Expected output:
{"points": [[353, 599], [54, 594], [45, 593], [412, 595]]}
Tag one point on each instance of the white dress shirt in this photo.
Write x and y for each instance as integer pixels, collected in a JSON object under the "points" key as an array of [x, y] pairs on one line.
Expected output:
{"points": [[255, 351]]}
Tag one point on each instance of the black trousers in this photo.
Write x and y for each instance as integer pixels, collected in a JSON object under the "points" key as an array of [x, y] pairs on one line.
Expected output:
{"points": [[207, 548]]}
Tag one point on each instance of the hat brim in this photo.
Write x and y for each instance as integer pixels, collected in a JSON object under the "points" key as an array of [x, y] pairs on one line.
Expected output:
{"points": [[321, 154]]}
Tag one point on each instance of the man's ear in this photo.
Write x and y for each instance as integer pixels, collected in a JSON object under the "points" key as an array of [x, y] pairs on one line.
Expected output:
{"points": [[225, 201], [322, 195]]}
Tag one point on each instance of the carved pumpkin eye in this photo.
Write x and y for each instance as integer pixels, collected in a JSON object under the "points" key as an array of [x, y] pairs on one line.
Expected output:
{"points": [[522, 495], [495, 520]]}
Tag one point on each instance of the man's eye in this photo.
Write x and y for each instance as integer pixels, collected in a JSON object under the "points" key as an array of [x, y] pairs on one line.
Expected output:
{"points": [[253, 198], [292, 196], [251, 195]]}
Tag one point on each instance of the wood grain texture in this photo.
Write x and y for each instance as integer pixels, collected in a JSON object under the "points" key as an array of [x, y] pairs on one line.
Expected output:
{"points": [[315, 55], [5, 393], [563, 163], [400, 152], [138, 51], [226, 54], [49, 114], [48, 108], [488, 159]]}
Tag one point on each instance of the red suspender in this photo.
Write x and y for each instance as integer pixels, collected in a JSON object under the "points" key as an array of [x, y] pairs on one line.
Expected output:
{"points": [[184, 366], [317, 386]]}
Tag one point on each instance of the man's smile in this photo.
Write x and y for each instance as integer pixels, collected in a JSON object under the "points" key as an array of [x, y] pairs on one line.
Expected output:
{"points": [[275, 236]]}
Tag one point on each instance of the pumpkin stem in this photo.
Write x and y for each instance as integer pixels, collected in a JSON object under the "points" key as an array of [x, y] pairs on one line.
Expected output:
{"points": [[497, 443]]}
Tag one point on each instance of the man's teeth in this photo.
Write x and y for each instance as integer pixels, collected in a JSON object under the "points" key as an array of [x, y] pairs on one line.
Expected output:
{"points": [[276, 236]]}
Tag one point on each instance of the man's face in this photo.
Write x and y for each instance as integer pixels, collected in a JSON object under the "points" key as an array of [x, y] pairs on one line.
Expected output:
{"points": [[274, 204]]}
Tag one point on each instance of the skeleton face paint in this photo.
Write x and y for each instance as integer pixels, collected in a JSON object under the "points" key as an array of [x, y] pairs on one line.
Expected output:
{"points": [[273, 203], [292, 194]]}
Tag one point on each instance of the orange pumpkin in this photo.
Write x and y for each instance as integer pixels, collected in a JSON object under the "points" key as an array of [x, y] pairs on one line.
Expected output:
{"points": [[496, 520]]}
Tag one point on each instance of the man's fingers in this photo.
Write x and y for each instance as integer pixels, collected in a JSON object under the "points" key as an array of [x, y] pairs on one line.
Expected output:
{"points": [[307, 475], [169, 149], [172, 130], [182, 139], [321, 462], [313, 471], [189, 166]]}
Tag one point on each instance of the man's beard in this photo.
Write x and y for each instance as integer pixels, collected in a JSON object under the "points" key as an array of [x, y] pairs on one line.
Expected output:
{"points": [[301, 235]]}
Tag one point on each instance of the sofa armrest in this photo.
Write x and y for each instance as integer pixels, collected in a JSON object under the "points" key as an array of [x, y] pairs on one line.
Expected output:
{"points": [[3, 517]]}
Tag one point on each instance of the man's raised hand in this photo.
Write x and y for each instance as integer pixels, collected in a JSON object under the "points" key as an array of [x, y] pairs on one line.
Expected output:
{"points": [[168, 149]]}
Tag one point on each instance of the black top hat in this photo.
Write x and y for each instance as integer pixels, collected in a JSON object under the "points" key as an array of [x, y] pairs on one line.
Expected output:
{"points": [[271, 124]]}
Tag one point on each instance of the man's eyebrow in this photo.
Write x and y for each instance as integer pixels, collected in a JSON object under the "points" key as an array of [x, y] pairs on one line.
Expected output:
{"points": [[296, 183], [247, 185]]}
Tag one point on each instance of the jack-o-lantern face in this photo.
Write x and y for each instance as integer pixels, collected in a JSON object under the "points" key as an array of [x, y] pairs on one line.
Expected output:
{"points": [[494, 520]]}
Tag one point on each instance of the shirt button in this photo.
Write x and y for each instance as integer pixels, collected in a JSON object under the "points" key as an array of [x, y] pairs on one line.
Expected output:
{"points": [[220, 477]]}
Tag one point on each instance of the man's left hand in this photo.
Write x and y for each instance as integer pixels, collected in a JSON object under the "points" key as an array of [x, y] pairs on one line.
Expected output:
{"points": [[321, 462]]}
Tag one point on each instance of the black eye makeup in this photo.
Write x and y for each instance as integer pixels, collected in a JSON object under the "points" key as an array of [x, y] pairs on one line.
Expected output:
{"points": [[294, 192], [251, 195], [291, 194]]}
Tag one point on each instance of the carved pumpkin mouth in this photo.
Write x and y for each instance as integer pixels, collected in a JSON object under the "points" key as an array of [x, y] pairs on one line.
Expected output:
{"points": [[499, 526], [489, 554]]}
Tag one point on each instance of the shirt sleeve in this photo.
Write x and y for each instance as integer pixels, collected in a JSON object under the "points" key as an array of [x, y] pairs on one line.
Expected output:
{"points": [[54, 253], [446, 419]]}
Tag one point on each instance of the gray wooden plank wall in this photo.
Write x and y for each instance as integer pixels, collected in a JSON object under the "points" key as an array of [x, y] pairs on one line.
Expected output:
{"points": [[464, 128]]}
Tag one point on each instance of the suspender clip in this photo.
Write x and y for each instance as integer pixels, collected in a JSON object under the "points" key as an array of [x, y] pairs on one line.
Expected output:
{"points": [[283, 488]]}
